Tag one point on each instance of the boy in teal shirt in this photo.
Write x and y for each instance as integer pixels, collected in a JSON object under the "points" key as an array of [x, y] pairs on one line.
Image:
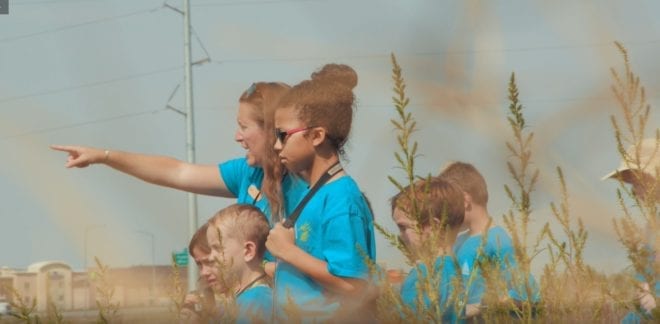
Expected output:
{"points": [[237, 236], [498, 249], [428, 236]]}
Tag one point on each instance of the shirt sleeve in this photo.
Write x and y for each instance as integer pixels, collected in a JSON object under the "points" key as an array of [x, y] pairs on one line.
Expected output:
{"points": [[345, 245], [232, 173]]}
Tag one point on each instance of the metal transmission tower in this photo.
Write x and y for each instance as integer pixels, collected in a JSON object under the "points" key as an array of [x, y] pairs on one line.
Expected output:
{"points": [[190, 136], [193, 274], [190, 127]]}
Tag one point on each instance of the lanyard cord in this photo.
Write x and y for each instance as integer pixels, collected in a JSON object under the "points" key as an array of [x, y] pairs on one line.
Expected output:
{"points": [[249, 285], [254, 201], [256, 198], [332, 170]]}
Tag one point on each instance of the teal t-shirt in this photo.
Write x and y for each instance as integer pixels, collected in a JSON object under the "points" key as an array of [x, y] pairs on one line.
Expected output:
{"points": [[444, 275], [498, 249], [244, 181], [336, 226], [255, 305]]}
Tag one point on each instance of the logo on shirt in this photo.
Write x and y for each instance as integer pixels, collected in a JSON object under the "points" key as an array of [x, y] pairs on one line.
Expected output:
{"points": [[304, 231], [254, 193]]}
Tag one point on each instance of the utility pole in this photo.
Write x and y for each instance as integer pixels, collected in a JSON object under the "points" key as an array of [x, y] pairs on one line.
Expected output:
{"points": [[190, 138], [187, 112]]}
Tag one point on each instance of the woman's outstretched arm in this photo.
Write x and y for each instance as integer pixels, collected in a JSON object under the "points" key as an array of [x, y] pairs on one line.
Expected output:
{"points": [[159, 170]]}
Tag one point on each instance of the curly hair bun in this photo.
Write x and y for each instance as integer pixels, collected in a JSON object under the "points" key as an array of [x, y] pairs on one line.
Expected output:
{"points": [[339, 73]]}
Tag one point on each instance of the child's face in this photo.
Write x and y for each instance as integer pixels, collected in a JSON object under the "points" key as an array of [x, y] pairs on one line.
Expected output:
{"points": [[296, 150], [226, 256], [408, 230], [206, 267], [250, 135]]}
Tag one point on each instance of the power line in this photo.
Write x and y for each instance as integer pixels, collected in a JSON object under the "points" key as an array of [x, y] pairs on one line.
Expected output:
{"points": [[26, 3], [139, 75], [96, 121], [244, 3], [429, 53], [86, 85], [301, 58], [478, 103], [201, 44], [367, 106], [207, 4], [72, 26]]}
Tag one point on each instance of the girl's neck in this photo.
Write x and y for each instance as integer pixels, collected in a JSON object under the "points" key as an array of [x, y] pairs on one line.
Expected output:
{"points": [[318, 167]]}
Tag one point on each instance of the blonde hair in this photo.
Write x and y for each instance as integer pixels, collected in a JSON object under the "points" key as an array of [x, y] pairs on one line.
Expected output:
{"points": [[244, 223]]}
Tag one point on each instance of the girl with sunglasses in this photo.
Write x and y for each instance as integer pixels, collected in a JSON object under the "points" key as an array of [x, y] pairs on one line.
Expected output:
{"points": [[324, 245]]}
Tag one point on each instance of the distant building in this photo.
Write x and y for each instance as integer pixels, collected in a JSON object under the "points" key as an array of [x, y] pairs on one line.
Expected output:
{"points": [[135, 286], [41, 282], [56, 282]]}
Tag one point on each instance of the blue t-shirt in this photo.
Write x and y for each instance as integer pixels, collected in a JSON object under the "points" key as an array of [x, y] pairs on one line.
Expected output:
{"points": [[445, 277], [498, 249], [336, 226], [255, 305], [635, 318], [244, 181]]}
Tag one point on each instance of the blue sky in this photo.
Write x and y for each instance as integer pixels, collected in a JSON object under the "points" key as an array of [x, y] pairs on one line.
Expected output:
{"points": [[100, 72]]}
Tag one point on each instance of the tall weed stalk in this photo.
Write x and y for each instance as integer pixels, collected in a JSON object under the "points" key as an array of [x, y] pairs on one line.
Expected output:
{"points": [[428, 306], [105, 290], [517, 219], [640, 239]]}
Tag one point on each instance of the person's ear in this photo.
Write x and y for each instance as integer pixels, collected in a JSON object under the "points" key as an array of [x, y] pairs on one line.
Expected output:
{"points": [[430, 226], [319, 135], [467, 200], [249, 251]]}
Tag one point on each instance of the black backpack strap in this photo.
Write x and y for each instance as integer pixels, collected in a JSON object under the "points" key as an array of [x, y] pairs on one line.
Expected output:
{"points": [[332, 170]]}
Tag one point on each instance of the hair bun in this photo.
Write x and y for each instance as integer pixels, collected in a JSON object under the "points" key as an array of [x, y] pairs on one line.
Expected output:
{"points": [[339, 73]]}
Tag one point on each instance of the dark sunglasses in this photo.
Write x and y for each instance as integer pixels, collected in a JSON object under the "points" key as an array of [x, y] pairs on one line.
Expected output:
{"points": [[282, 135], [251, 90]]}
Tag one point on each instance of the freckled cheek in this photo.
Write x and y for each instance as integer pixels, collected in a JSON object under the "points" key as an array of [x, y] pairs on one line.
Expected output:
{"points": [[245, 135], [254, 137]]}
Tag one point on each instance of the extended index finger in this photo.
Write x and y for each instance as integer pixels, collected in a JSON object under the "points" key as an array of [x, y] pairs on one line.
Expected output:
{"points": [[63, 148]]}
